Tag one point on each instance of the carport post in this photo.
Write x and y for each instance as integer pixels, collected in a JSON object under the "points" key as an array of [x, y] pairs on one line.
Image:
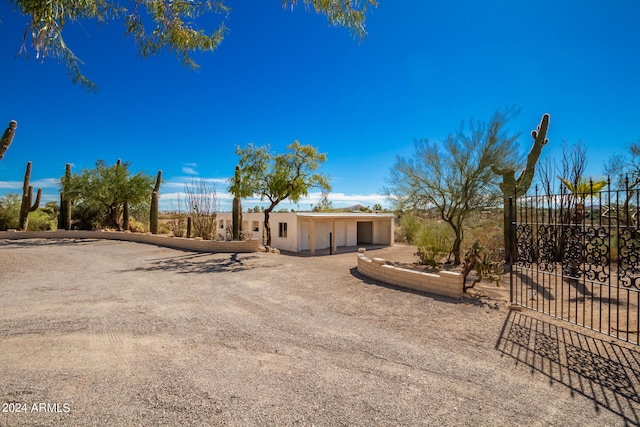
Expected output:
{"points": [[312, 236], [330, 243], [334, 244]]}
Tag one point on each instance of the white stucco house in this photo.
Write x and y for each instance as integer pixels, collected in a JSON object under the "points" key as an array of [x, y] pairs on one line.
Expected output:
{"points": [[310, 231]]}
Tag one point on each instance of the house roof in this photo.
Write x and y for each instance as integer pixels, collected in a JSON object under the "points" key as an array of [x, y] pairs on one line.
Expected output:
{"points": [[344, 215]]}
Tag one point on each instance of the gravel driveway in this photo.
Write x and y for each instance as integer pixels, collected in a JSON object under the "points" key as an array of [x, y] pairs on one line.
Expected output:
{"points": [[117, 333]]}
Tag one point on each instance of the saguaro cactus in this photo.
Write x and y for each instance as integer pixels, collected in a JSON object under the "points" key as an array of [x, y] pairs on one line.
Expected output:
{"points": [[125, 205], [27, 198], [153, 216], [64, 222], [189, 225], [236, 215], [517, 187], [7, 137]]}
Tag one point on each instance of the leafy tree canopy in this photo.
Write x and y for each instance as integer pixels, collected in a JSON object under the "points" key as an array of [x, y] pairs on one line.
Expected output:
{"points": [[277, 177], [155, 25], [104, 190], [456, 177], [9, 211]]}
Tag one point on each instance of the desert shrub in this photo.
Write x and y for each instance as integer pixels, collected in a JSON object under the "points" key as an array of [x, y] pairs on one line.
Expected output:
{"points": [[40, 220], [434, 243], [410, 226], [177, 224], [163, 228], [9, 211], [477, 258], [136, 226], [177, 219], [487, 228], [202, 204], [86, 217]]}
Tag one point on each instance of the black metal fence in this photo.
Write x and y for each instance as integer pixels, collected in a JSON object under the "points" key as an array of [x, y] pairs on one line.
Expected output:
{"points": [[576, 256]]}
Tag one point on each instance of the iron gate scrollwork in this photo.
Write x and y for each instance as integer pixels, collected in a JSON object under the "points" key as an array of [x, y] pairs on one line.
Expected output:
{"points": [[577, 257]]}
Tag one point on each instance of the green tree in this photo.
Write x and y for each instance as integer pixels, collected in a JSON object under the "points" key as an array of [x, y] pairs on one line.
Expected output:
{"points": [[101, 192], [155, 25], [9, 211], [277, 177], [455, 177], [324, 205]]}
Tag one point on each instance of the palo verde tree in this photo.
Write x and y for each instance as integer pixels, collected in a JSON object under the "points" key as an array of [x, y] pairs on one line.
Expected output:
{"points": [[455, 177], [278, 177], [155, 25], [104, 190]]}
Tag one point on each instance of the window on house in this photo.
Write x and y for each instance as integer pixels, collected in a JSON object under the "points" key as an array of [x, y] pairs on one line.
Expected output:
{"points": [[282, 229]]}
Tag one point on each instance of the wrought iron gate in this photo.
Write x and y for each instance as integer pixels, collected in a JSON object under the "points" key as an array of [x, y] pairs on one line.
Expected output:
{"points": [[577, 257]]}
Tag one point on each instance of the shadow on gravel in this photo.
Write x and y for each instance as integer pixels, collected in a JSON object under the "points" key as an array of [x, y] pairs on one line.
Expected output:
{"points": [[29, 243], [603, 371], [198, 263]]}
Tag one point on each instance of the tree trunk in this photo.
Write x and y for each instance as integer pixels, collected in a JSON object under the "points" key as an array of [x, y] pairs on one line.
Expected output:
{"points": [[457, 243], [114, 217], [267, 229], [125, 216]]}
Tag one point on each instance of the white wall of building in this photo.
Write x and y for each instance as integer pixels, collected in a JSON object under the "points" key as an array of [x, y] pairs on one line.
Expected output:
{"points": [[298, 229]]}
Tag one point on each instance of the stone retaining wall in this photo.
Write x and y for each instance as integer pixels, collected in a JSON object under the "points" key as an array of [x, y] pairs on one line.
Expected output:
{"points": [[446, 283], [197, 245]]}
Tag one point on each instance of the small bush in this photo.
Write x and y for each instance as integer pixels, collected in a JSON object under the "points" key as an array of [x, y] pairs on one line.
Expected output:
{"points": [[434, 244], [487, 228], [41, 221], [410, 226], [477, 258], [178, 224], [136, 226], [9, 211]]}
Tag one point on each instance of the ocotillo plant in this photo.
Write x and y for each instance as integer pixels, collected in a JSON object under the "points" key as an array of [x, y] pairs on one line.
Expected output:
{"points": [[27, 198], [7, 137], [512, 187], [236, 216], [65, 201], [153, 216]]}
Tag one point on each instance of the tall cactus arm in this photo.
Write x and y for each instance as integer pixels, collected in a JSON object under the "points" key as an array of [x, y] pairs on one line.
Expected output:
{"points": [[36, 204], [512, 187], [7, 137], [156, 188], [27, 199], [523, 182]]}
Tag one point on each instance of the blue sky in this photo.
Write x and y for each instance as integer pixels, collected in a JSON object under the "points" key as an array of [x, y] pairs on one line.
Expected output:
{"points": [[282, 75]]}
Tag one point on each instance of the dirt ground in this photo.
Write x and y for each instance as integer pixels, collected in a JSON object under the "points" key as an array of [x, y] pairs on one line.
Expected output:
{"points": [[117, 333]]}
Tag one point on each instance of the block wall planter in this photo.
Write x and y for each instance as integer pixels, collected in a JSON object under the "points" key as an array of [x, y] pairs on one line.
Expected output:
{"points": [[447, 283]]}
